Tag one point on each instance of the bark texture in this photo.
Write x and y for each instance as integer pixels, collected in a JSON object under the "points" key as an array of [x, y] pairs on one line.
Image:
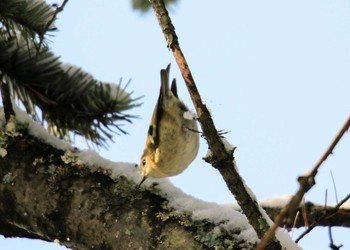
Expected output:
{"points": [[45, 197], [49, 194]]}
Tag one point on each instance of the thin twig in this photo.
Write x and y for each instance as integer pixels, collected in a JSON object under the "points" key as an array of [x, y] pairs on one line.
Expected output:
{"points": [[306, 182], [47, 26], [342, 201], [308, 230], [295, 221], [335, 188], [337, 207], [326, 199], [220, 158], [303, 210], [331, 147], [331, 244]]}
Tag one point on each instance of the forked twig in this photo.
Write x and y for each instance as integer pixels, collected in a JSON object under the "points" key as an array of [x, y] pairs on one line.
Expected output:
{"points": [[306, 182], [331, 244], [309, 229]]}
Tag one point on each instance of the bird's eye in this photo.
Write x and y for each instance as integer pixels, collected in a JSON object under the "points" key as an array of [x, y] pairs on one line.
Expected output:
{"points": [[144, 162]]}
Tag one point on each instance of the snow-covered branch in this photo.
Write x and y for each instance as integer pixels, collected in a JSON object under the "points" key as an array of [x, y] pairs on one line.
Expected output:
{"points": [[54, 192], [315, 215]]}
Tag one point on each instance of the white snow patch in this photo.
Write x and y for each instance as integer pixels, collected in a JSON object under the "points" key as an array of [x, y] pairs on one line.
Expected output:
{"points": [[208, 154], [178, 199], [286, 241], [228, 146], [36, 129], [186, 203], [283, 236], [265, 215], [306, 173], [116, 169], [206, 210], [346, 205], [276, 201], [250, 192]]}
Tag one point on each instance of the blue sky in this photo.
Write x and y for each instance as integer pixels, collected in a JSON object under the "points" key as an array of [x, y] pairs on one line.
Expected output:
{"points": [[273, 73]]}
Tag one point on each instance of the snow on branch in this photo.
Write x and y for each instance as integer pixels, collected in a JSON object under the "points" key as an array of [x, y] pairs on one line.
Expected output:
{"points": [[57, 193]]}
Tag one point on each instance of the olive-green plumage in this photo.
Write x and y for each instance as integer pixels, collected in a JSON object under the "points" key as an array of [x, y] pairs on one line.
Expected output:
{"points": [[172, 141]]}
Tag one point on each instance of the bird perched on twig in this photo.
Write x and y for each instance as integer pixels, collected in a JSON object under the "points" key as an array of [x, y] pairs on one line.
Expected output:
{"points": [[173, 140]]}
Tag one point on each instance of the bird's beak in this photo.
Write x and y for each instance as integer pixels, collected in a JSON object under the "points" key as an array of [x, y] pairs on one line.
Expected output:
{"points": [[143, 179]]}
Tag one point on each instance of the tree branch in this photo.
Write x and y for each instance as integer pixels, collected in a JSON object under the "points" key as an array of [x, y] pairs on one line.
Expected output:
{"points": [[327, 216], [51, 194], [49, 23], [220, 158], [6, 99], [89, 107], [317, 216], [306, 182]]}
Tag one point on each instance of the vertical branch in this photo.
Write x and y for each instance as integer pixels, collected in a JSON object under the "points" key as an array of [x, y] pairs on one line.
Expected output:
{"points": [[6, 101], [221, 159]]}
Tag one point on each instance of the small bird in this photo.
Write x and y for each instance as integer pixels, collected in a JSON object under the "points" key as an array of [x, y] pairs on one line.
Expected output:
{"points": [[173, 140]]}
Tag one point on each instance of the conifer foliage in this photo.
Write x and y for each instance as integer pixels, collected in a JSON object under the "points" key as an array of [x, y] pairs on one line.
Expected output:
{"points": [[67, 98]]}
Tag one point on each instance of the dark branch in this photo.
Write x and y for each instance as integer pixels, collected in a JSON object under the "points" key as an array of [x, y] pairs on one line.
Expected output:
{"points": [[221, 159], [331, 244], [327, 216], [48, 198], [6, 100], [49, 23]]}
